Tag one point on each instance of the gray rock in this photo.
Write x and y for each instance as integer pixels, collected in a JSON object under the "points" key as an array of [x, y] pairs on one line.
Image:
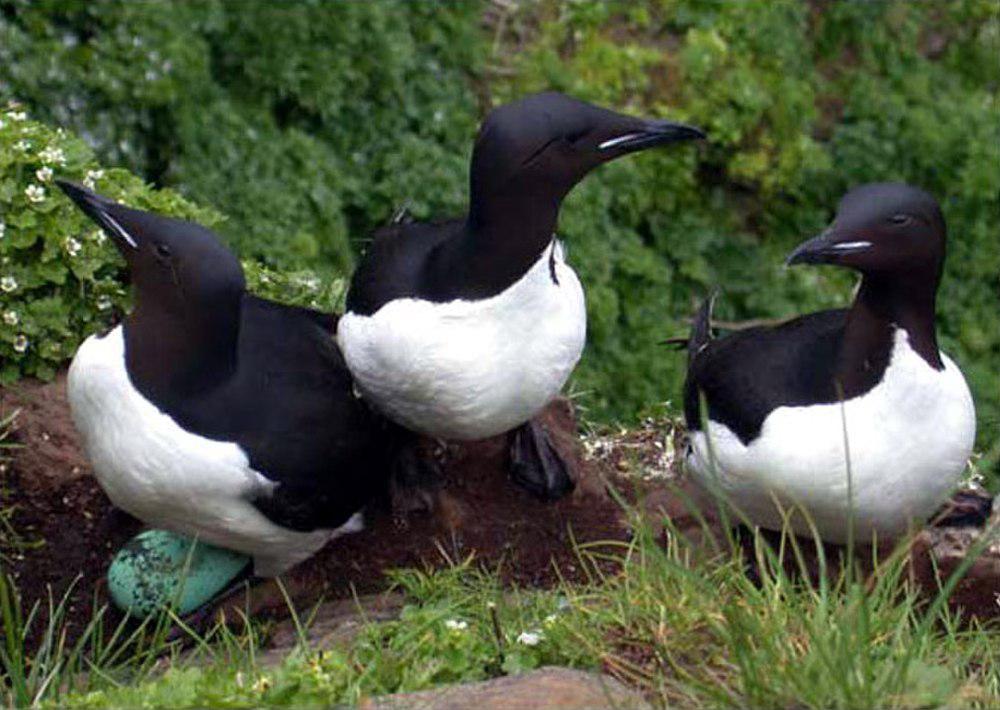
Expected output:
{"points": [[550, 688], [335, 624]]}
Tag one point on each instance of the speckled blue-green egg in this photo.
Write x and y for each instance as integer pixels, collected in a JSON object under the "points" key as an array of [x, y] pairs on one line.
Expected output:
{"points": [[157, 569]]}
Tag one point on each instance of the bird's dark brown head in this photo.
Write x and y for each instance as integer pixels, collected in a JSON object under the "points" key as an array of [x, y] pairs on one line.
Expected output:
{"points": [[544, 144], [881, 229]]}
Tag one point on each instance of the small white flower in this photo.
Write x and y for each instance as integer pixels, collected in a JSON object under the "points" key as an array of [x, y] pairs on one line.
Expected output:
{"points": [[23, 146], [35, 193], [98, 236], [456, 625], [17, 115], [44, 173], [8, 284], [20, 343], [549, 620], [72, 246], [103, 303], [53, 155], [11, 318], [530, 638], [3, 229], [91, 178]]}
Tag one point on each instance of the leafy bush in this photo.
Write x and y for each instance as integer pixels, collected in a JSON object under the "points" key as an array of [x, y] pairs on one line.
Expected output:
{"points": [[59, 278], [306, 123], [298, 288], [800, 104]]}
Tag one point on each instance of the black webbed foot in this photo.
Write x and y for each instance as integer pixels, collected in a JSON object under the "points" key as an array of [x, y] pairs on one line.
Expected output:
{"points": [[415, 480], [536, 465], [201, 620], [965, 509]]}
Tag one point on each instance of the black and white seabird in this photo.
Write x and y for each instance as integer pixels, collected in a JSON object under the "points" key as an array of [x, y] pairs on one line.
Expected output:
{"points": [[466, 329], [779, 398], [217, 414]]}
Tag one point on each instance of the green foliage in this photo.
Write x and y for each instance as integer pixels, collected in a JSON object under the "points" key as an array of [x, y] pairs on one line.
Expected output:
{"points": [[60, 279], [686, 633], [800, 103], [308, 123], [297, 288]]}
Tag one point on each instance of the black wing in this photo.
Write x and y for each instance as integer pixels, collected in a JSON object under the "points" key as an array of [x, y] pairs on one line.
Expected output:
{"points": [[394, 264], [746, 375], [301, 424]]}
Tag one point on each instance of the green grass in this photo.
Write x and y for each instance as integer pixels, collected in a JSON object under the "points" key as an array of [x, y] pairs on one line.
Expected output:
{"points": [[683, 628], [682, 624]]}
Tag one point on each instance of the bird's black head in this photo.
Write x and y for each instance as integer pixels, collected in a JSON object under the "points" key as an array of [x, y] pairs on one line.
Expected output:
{"points": [[544, 144], [882, 229], [176, 266]]}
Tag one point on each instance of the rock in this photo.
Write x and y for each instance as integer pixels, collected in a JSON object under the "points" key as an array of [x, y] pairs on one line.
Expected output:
{"points": [[551, 688], [939, 551], [335, 624]]}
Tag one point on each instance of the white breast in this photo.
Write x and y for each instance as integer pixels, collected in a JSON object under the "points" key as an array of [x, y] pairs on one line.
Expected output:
{"points": [[167, 477], [471, 369], [909, 439]]}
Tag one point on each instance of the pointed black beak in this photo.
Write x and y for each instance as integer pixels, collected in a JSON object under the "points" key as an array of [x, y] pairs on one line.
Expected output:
{"points": [[651, 133], [827, 248], [100, 209]]}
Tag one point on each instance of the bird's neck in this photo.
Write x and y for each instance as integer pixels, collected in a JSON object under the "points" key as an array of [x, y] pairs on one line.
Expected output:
{"points": [[171, 354], [500, 240], [881, 306]]}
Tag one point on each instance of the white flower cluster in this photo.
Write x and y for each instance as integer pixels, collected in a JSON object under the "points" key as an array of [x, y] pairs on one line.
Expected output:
{"points": [[11, 317], [530, 638], [72, 246], [8, 284], [44, 173], [3, 228], [35, 193], [20, 343], [91, 178], [456, 625], [53, 155]]}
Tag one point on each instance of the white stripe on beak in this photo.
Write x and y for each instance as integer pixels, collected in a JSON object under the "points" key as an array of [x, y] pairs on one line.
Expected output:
{"points": [[612, 142], [120, 231], [851, 245]]}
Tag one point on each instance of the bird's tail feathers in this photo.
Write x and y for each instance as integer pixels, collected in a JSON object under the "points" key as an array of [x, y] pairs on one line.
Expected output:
{"points": [[701, 327]]}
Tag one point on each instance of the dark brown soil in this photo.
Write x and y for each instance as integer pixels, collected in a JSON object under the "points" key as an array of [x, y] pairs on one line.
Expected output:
{"points": [[67, 530]]}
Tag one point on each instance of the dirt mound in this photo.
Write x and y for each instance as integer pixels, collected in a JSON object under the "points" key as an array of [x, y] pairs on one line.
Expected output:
{"points": [[66, 528], [68, 531]]}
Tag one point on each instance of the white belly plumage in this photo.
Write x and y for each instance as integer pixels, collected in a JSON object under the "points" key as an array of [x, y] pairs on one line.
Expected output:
{"points": [[471, 369], [167, 477], [909, 439]]}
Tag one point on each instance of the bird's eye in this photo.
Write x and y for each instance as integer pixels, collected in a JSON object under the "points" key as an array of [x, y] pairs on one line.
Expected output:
{"points": [[900, 219], [162, 251]]}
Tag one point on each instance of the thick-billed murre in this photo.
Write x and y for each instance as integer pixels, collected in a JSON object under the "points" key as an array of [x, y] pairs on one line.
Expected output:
{"points": [[217, 414], [788, 406], [466, 329]]}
